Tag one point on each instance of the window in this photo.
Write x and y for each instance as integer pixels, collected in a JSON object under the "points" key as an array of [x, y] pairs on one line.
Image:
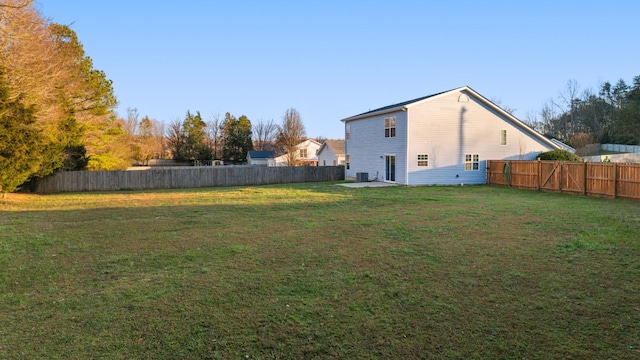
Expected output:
{"points": [[423, 160], [347, 131], [472, 162], [348, 161], [390, 127], [303, 153], [503, 137]]}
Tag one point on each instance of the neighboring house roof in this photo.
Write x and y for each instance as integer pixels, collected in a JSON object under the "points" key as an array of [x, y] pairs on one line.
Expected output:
{"points": [[310, 141], [404, 106], [337, 146], [261, 154]]}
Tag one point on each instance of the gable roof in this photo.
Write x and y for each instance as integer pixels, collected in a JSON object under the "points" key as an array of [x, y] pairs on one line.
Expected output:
{"points": [[393, 107], [337, 146], [308, 140], [404, 106], [261, 154]]}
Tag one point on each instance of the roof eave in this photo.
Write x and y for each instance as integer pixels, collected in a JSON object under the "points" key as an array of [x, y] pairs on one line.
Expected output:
{"points": [[377, 113]]}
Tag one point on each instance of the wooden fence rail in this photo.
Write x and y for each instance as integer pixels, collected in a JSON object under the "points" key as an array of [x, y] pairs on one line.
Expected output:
{"points": [[615, 180], [185, 177]]}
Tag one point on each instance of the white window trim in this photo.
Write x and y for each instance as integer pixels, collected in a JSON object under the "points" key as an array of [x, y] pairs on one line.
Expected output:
{"points": [[469, 165], [395, 168], [391, 129], [424, 160], [503, 131]]}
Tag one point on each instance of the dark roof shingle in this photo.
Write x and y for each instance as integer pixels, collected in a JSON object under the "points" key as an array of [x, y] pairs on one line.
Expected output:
{"points": [[261, 154], [392, 106]]}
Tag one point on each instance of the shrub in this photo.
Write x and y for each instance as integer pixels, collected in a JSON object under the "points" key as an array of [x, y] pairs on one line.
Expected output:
{"points": [[559, 154]]}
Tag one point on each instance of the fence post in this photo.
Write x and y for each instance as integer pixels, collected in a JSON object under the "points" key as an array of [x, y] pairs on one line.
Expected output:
{"points": [[615, 180], [488, 173], [539, 174], [585, 171], [559, 176]]}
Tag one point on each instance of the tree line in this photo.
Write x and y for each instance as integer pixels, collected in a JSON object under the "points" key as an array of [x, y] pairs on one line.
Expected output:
{"points": [[57, 112], [229, 139], [579, 118]]}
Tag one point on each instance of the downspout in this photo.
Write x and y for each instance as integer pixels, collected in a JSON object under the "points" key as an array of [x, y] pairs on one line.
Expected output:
{"points": [[406, 148], [345, 151]]}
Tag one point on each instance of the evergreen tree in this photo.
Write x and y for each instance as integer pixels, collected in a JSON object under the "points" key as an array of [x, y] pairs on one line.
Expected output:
{"points": [[625, 127], [189, 141], [237, 134]]}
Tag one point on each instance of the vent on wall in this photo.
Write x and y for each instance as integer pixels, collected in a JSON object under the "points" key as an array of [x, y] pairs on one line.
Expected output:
{"points": [[463, 98]]}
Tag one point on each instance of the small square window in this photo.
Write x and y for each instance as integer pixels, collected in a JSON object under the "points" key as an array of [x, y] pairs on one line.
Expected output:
{"points": [[423, 160], [472, 162]]}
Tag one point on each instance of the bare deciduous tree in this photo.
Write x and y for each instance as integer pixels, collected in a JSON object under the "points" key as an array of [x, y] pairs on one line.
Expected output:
{"points": [[506, 108], [131, 123], [264, 135], [174, 137], [291, 133], [214, 136]]}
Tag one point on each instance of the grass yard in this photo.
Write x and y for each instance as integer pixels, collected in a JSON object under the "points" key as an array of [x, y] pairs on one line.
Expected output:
{"points": [[319, 271]]}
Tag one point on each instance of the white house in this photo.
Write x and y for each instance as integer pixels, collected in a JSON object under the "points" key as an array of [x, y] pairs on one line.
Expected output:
{"points": [[305, 154], [331, 153], [439, 139], [261, 158]]}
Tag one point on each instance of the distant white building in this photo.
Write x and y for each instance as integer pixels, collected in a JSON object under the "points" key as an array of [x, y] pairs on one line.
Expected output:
{"points": [[331, 153], [305, 154], [261, 158]]}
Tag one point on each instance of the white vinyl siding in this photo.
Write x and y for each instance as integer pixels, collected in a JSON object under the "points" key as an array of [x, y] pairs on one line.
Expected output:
{"points": [[368, 146], [326, 157], [447, 130]]}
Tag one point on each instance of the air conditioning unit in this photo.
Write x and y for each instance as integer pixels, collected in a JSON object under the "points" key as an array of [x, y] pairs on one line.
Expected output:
{"points": [[362, 177]]}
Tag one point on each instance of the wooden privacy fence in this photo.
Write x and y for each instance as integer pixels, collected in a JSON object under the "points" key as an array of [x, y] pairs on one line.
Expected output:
{"points": [[185, 177], [615, 180]]}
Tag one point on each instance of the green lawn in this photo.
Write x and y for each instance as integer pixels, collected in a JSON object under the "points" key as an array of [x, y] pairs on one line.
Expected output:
{"points": [[319, 271]]}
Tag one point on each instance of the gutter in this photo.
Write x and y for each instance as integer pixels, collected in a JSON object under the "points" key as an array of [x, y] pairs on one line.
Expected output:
{"points": [[371, 114]]}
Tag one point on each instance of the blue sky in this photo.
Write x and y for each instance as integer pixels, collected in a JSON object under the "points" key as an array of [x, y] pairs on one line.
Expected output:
{"points": [[334, 59]]}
